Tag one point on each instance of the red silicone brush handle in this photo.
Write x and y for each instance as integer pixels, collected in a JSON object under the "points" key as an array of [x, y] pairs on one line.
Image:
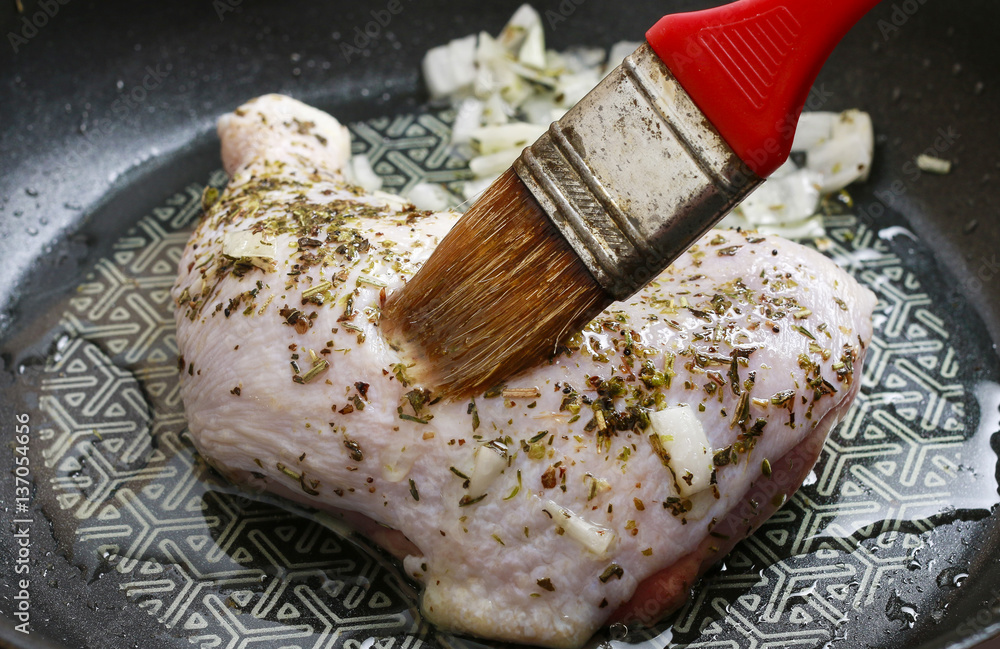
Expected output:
{"points": [[749, 66]]}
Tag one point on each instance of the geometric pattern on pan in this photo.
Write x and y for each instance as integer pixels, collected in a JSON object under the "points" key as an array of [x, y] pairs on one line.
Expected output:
{"points": [[220, 570]]}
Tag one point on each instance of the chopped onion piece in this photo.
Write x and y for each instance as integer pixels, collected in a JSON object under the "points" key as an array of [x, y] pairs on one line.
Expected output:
{"points": [[519, 88], [574, 87], [859, 123], [516, 31], [578, 59], [686, 445], [488, 53], [468, 116], [789, 197], [813, 129], [474, 188], [495, 110], [853, 120], [514, 90], [494, 71], [516, 135], [488, 49], [490, 463], [428, 196], [839, 162], [619, 51], [394, 202], [450, 68], [544, 78], [364, 175], [532, 51], [933, 165], [810, 228], [538, 109], [595, 538], [245, 243], [495, 163], [847, 155], [701, 503]]}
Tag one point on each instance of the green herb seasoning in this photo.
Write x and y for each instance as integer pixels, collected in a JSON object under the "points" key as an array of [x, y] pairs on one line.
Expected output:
{"points": [[614, 571]]}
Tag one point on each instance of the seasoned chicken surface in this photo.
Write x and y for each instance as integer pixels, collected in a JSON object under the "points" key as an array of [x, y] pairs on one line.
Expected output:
{"points": [[592, 488]]}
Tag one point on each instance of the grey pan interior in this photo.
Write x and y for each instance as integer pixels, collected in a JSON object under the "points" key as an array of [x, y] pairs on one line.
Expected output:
{"points": [[77, 161]]}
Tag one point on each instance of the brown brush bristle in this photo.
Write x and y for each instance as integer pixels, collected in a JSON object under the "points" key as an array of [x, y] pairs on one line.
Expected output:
{"points": [[500, 292]]}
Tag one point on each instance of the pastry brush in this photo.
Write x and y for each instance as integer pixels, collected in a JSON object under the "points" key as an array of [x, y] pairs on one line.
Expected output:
{"points": [[661, 150]]}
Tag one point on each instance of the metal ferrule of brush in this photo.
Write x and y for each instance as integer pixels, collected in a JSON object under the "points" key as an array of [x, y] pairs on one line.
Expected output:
{"points": [[634, 174]]}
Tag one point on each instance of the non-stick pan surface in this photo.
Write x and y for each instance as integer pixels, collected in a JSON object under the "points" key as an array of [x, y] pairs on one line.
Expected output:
{"points": [[107, 136]]}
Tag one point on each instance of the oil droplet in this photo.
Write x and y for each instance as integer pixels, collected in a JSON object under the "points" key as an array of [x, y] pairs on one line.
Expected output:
{"points": [[938, 613], [897, 609], [887, 234], [618, 631], [951, 578]]}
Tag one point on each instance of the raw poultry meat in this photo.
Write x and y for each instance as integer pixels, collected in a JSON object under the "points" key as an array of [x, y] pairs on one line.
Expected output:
{"points": [[593, 488]]}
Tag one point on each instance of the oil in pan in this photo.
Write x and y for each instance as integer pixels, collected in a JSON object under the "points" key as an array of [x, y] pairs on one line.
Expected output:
{"points": [[877, 527]]}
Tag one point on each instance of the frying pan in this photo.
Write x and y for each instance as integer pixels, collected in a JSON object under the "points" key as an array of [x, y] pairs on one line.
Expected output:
{"points": [[108, 111]]}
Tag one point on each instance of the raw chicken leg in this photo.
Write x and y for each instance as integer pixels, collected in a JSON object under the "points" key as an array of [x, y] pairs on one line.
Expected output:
{"points": [[600, 483]]}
